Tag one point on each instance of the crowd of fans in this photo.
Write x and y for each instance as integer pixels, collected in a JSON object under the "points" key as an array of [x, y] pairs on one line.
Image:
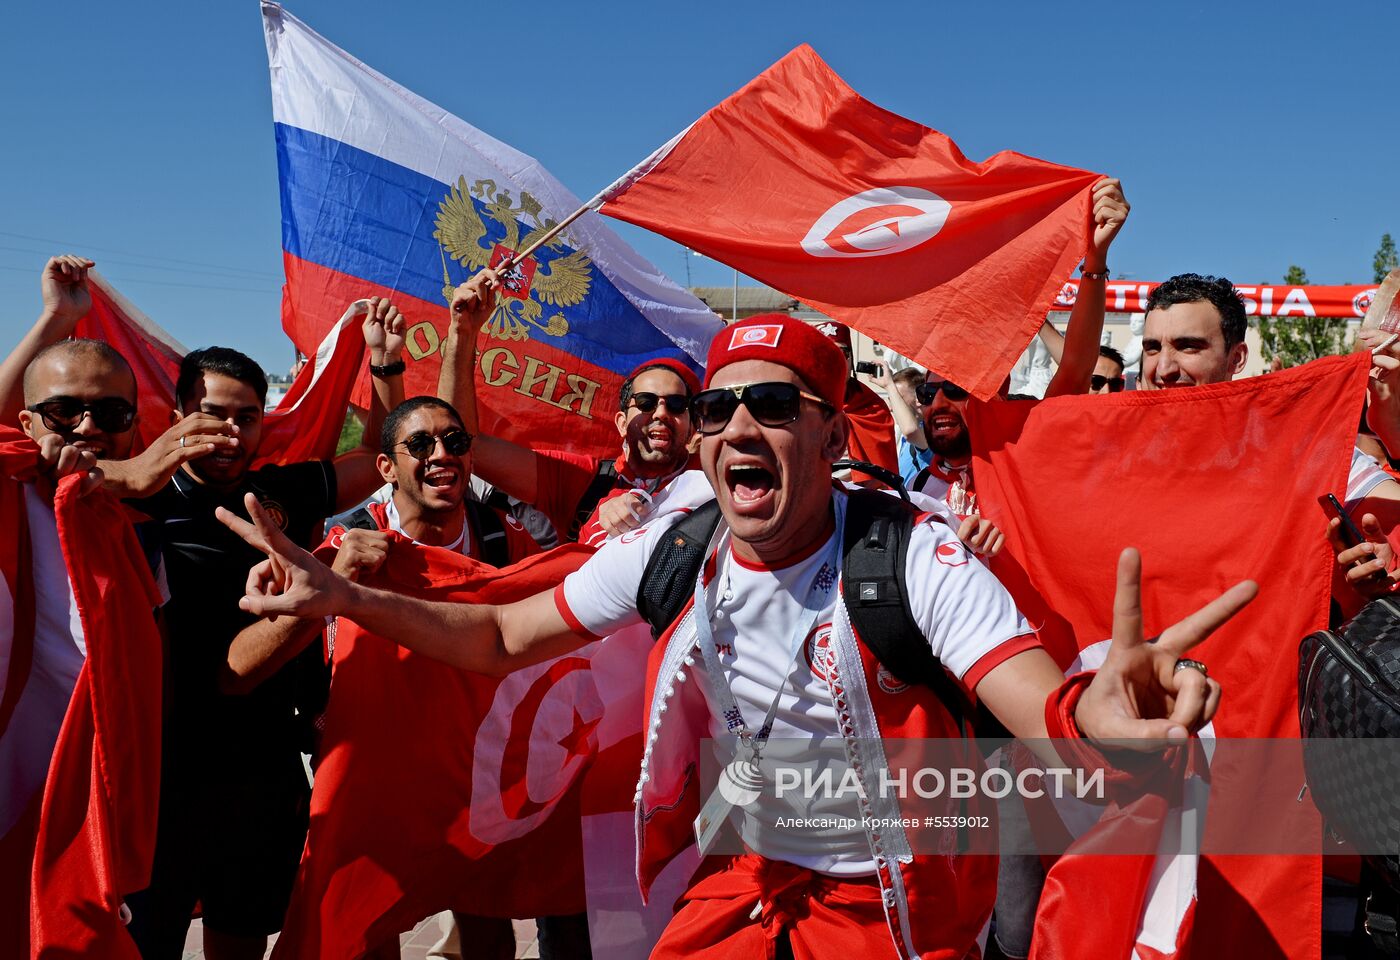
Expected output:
{"points": [[247, 655]]}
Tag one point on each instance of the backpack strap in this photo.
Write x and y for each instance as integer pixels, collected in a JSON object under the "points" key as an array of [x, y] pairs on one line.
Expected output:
{"points": [[874, 549], [920, 478], [603, 481], [669, 579], [493, 545]]}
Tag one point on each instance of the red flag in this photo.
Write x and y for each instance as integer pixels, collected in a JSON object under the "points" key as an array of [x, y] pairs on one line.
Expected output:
{"points": [[874, 219], [306, 424], [79, 756], [1214, 484], [97, 828], [441, 788]]}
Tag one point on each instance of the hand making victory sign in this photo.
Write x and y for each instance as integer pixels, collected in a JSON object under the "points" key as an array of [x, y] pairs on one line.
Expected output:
{"points": [[1148, 689]]}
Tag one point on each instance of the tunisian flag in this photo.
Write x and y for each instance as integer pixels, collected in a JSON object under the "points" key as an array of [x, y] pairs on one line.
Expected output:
{"points": [[441, 788], [1214, 484], [876, 220], [90, 792], [306, 424]]}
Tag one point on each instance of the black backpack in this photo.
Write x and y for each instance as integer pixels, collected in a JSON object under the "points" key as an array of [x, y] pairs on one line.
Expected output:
{"points": [[485, 525], [873, 550]]}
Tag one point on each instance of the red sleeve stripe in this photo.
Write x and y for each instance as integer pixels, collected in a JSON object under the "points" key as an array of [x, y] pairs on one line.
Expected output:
{"points": [[575, 625], [996, 656]]}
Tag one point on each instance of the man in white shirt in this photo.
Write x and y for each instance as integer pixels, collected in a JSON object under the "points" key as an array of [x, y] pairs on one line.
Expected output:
{"points": [[771, 428]]}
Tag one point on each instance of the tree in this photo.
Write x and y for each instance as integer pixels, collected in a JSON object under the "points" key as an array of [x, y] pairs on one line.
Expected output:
{"points": [[1386, 259], [1296, 340]]}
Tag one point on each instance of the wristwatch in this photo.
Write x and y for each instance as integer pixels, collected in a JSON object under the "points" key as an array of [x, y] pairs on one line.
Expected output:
{"points": [[388, 370]]}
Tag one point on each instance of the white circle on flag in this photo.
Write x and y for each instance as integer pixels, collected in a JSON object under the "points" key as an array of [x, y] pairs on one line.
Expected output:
{"points": [[539, 720], [876, 223]]}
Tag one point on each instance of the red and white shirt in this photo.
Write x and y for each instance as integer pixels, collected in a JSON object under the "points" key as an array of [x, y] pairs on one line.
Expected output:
{"points": [[968, 618]]}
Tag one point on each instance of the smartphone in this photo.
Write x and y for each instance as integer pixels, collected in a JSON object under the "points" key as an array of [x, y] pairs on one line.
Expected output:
{"points": [[1350, 534], [868, 368]]}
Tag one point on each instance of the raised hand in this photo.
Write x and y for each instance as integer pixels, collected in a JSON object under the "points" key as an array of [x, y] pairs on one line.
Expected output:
{"points": [[1110, 212], [384, 330], [1370, 565], [474, 301], [194, 436], [290, 582], [1138, 696], [64, 286]]}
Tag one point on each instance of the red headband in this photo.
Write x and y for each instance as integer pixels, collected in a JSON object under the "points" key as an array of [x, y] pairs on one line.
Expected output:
{"points": [[687, 375], [786, 341]]}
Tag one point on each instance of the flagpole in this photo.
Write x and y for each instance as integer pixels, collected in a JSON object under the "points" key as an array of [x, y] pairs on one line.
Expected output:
{"points": [[549, 235], [613, 189]]}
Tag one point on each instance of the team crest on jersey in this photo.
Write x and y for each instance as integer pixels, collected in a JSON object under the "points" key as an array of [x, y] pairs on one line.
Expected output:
{"points": [[821, 657], [888, 682], [275, 512], [951, 554]]}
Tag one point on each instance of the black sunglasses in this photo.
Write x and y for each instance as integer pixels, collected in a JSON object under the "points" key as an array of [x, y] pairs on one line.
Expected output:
{"points": [[63, 414], [928, 390], [676, 403], [1097, 383], [421, 445], [771, 404]]}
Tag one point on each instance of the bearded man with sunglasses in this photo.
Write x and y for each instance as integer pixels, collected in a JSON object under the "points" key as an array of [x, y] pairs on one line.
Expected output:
{"points": [[771, 426], [653, 422]]}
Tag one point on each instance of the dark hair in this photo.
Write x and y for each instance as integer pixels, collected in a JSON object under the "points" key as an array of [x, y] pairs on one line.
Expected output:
{"points": [[224, 361], [1109, 353], [81, 347], [625, 395], [912, 376], [1193, 288], [389, 433]]}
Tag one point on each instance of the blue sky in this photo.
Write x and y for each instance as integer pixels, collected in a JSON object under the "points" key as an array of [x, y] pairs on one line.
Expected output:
{"points": [[1249, 136]]}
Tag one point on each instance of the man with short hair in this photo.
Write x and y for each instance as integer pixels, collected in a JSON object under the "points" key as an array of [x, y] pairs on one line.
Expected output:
{"points": [[425, 457], [1108, 372], [1194, 335], [233, 810], [771, 426], [653, 422]]}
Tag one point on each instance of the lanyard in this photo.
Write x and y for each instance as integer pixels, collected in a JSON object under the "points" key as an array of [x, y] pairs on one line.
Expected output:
{"points": [[822, 583]]}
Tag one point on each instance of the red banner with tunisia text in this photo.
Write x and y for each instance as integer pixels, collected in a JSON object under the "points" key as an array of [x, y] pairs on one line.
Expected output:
{"points": [[1260, 300]]}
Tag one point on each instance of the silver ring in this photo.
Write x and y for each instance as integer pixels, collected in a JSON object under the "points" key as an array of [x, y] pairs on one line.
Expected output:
{"points": [[1187, 664], [182, 443]]}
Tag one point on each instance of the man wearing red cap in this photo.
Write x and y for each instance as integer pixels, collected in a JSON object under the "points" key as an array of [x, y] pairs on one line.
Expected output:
{"points": [[771, 425], [653, 422]]}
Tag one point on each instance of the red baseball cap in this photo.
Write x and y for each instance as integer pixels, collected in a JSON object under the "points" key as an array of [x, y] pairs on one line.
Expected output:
{"points": [[786, 341]]}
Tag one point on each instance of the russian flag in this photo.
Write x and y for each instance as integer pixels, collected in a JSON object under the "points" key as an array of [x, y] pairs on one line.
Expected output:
{"points": [[386, 194]]}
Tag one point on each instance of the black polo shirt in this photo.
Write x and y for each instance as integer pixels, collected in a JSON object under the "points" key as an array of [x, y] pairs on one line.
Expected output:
{"points": [[207, 569]]}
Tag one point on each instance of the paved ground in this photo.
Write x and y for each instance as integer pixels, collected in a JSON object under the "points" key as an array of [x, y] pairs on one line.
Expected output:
{"points": [[413, 945]]}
